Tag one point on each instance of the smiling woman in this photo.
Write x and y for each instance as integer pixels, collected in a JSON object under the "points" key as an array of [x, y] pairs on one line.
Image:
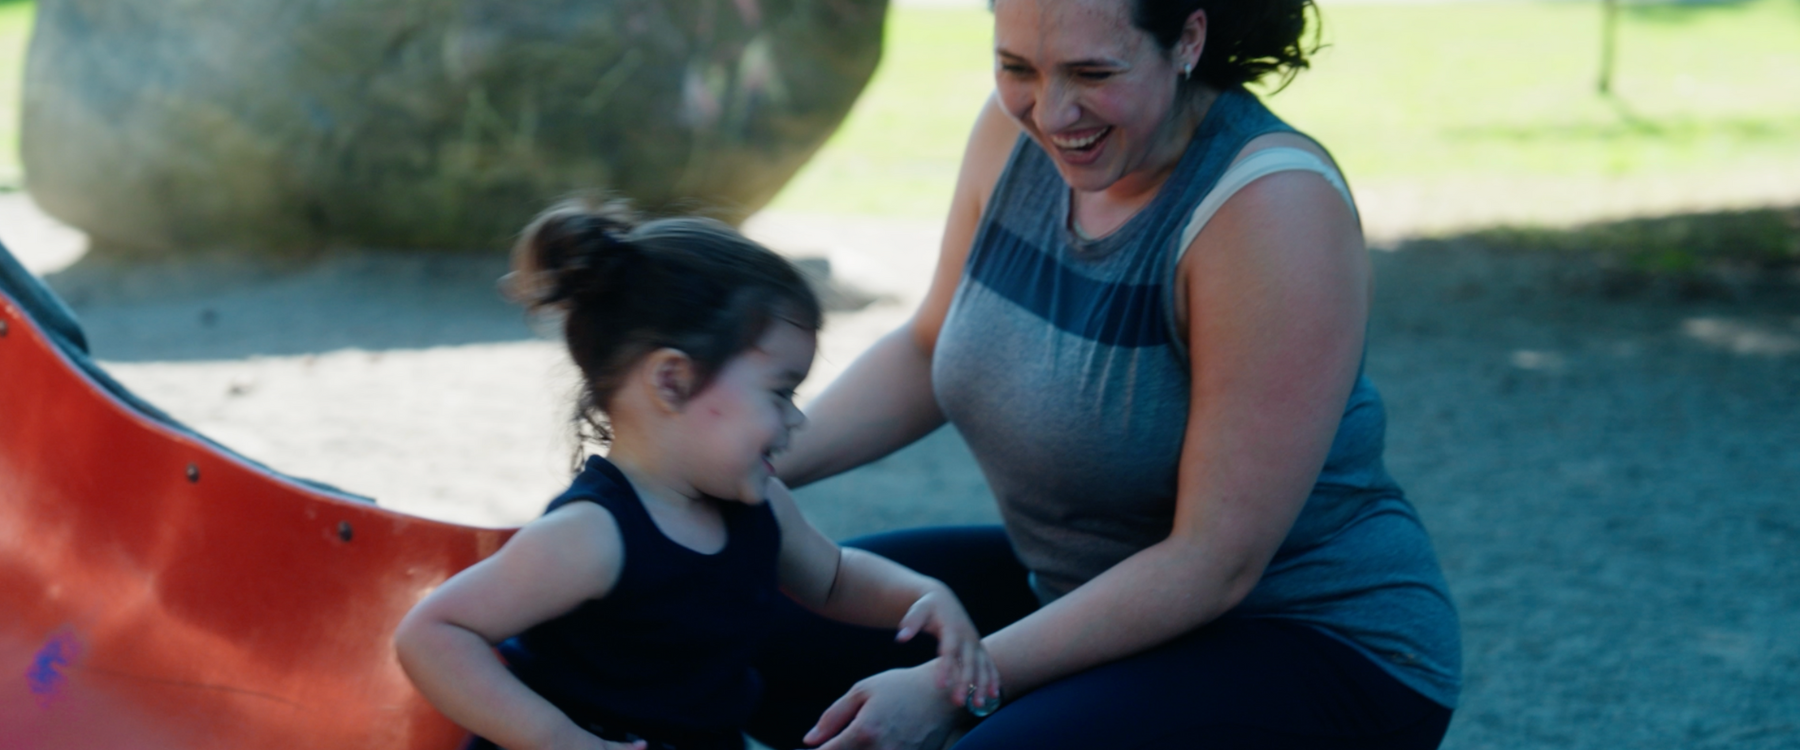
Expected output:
{"points": [[1147, 321]]}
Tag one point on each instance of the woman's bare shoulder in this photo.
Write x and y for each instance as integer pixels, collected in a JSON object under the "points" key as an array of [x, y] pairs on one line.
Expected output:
{"points": [[990, 146], [1290, 220]]}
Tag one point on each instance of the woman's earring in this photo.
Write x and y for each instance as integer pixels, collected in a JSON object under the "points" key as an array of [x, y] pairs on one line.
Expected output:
{"points": [[1187, 71]]}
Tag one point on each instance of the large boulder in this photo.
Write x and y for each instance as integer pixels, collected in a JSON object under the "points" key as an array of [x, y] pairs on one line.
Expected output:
{"points": [[271, 125]]}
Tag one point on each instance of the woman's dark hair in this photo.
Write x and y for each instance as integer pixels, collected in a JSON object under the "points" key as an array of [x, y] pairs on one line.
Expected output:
{"points": [[1245, 39], [626, 289]]}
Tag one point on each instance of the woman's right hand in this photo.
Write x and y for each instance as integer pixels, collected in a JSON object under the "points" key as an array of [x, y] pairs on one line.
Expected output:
{"points": [[900, 709]]}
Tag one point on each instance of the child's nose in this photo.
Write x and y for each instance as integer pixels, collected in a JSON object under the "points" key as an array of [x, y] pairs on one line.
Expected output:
{"points": [[795, 417]]}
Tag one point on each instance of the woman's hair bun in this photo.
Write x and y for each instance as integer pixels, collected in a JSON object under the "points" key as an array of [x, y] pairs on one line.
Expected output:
{"points": [[578, 249]]}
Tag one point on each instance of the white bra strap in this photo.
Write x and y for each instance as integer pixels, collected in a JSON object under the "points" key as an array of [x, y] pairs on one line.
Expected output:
{"points": [[1265, 162]]}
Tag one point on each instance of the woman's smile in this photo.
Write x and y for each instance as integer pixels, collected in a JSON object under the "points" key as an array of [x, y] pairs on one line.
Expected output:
{"points": [[1081, 147]]}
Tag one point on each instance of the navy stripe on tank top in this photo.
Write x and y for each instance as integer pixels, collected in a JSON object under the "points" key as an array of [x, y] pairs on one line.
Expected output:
{"points": [[1114, 314], [1060, 365], [668, 650]]}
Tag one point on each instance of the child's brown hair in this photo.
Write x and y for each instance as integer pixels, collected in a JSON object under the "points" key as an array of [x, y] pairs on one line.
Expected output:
{"points": [[626, 289]]}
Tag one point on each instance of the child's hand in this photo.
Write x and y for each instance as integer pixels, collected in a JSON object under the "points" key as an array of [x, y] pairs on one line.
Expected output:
{"points": [[964, 667]]}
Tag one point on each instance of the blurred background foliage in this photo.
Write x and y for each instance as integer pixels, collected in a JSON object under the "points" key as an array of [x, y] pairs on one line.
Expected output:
{"points": [[1399, 92]]}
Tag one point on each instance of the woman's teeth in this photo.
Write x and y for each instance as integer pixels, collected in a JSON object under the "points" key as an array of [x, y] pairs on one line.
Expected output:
{"points": [[1077, 144]]}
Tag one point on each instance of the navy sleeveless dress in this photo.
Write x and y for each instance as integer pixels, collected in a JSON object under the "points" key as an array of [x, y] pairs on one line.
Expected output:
{"points": [[665, 656]]}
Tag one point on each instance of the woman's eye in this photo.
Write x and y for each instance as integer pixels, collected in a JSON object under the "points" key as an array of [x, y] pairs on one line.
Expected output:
{"points": [[1093, 75]]}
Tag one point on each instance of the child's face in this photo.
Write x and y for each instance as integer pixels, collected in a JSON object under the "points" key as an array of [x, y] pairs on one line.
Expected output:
{"points": [[744, 416]]}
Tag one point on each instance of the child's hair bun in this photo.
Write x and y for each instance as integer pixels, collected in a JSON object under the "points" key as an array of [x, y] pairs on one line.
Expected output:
{"points": [[577, 250]]}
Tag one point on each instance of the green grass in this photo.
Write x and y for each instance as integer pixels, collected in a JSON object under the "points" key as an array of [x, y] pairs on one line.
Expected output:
{"points": [[1509, 89], [897, 154], [15, 31], [1401, 92]]}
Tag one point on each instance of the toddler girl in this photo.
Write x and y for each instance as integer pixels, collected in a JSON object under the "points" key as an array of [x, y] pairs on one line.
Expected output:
{"points": [[628, 614]]}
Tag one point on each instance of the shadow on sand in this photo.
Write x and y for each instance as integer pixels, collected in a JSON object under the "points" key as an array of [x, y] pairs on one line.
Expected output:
{"points": [[219, 308], [1720, 255], [231, 308], [213, 308]]}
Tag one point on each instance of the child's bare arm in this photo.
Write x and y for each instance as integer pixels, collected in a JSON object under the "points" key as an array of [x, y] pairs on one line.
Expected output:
{"points": [[864, 588], [446, 642]]}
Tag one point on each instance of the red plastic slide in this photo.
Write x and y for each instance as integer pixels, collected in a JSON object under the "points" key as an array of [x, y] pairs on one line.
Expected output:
{"points": [[159, 592]]}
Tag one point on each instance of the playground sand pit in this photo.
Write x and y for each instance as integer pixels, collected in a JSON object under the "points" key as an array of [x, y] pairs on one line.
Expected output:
{"points": [[1609, 475]]}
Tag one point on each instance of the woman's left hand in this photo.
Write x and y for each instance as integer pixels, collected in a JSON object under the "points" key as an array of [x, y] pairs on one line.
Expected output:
{"points": [[964, 669], [900, 709]]}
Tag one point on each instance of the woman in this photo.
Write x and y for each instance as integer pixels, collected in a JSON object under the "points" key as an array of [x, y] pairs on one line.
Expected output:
{"points": [[1147, 320]]}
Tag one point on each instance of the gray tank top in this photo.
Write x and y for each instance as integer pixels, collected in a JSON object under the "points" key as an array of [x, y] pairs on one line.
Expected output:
{"points": [[1060, 364]]}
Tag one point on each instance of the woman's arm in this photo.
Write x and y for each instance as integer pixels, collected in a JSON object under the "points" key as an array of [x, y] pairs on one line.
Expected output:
{"points": [[884, 401], [880, 404], [1276, 295], [445, 643]]}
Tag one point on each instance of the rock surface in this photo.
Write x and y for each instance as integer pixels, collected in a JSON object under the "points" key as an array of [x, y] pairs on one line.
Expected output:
{"points": [[281, 125]]}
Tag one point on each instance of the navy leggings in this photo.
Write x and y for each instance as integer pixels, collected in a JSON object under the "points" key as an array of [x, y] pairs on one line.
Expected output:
{"points": [[1237, 682]]}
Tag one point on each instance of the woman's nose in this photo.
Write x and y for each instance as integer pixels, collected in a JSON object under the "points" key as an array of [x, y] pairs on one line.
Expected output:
{"points": [[1056, 108]]}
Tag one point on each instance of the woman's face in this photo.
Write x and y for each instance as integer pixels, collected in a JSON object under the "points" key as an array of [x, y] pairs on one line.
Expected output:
{"points": [[1095, 92]]}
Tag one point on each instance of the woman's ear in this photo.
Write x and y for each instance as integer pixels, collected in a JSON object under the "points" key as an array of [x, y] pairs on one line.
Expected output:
{"points": [[1192, 42], [670, 378]]}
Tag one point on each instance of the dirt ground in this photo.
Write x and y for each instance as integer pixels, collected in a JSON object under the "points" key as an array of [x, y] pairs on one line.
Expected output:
{"points": [[1609, 473]]}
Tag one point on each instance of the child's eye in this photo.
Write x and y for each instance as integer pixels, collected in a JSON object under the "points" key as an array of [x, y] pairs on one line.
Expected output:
{"points": [[1093, 75]]}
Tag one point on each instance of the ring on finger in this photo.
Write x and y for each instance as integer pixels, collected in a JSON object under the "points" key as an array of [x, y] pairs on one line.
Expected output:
{"points": [[983, 710]]}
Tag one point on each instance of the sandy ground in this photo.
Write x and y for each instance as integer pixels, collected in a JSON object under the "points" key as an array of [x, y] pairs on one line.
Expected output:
{"points": [[1610, 476]]}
